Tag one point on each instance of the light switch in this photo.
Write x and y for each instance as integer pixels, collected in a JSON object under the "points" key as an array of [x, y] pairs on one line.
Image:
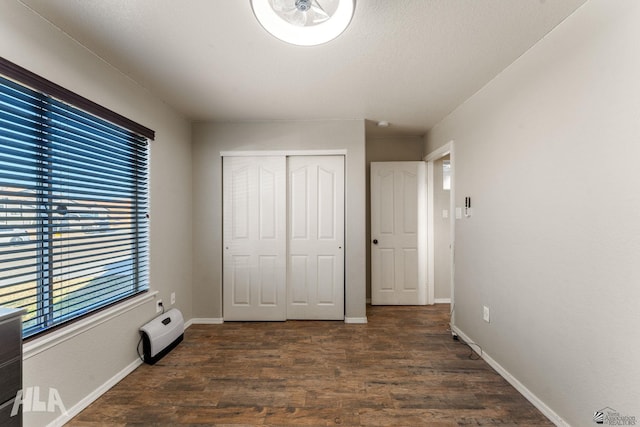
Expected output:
{"points": [[445, 213], [458, 213]]}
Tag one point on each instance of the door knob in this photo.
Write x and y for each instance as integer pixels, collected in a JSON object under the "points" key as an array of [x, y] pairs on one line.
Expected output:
{"points": [[375, 241]]}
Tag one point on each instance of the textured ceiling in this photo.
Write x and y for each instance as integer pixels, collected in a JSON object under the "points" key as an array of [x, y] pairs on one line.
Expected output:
{"points": [[409, 62]]}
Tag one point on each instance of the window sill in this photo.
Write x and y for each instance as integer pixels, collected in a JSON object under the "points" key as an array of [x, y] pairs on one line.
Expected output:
{"points": [[48, 341]]}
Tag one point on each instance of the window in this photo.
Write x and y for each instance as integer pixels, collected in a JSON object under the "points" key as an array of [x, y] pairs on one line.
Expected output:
{"points": [[446, 175], [73, 209]]}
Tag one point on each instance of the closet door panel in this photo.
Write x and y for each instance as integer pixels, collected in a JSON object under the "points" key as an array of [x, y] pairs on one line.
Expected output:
{"points": [[283, 237], [254, 238], [316, 234]]}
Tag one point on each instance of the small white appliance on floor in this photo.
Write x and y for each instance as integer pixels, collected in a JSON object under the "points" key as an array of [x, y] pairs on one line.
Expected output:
{"points": [[161, 335]]}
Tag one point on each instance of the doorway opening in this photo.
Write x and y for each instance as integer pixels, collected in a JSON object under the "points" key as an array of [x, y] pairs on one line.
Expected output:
{"points": [[441, 217]]}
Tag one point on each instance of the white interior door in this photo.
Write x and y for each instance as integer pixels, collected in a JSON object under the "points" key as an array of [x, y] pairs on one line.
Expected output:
{"points": [[398, 233], [315, 268], [254, 238]]}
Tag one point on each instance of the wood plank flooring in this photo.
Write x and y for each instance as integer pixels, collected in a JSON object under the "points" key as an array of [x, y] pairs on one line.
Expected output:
{"points": [[401, 369]]}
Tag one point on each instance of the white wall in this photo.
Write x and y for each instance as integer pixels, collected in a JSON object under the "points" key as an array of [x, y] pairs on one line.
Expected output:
{"points": [[549, 153], [80, 365], [209, 139]]}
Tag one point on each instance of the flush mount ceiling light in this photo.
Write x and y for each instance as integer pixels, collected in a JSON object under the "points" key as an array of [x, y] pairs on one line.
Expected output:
{"points": [[304, 22]]}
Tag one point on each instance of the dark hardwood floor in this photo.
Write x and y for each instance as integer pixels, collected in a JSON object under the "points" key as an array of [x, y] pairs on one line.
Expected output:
{"points": [[401, 369]]}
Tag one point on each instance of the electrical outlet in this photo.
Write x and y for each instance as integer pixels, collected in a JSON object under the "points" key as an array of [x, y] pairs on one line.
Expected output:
{"points": [[158, 306], [173, 298], [485, 314]]}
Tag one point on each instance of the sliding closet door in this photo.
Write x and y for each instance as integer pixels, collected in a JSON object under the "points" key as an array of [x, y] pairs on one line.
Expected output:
{"points": [[315, 267], [254, 238]]}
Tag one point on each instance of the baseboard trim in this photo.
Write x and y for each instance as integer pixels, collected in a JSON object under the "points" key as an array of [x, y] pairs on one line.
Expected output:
{"points": [[528, 394], [442, 301], [204, 321], [355, 320], [94, 395]]}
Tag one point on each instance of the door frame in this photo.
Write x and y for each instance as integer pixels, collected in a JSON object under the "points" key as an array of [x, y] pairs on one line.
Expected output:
{"points": [[285, 153], [431, 158]]}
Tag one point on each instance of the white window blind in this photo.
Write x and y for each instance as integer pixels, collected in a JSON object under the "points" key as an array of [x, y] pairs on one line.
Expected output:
{"points": [[73, 209]]}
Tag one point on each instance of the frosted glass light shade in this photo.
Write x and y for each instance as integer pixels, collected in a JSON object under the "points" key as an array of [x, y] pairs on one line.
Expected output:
{"points": [[298, 30]]}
